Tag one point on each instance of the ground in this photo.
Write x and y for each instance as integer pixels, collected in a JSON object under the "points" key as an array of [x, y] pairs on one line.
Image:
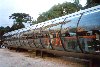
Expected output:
{"points": [[10, 58]]}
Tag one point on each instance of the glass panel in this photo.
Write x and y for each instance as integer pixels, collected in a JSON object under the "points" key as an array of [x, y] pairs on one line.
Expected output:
{"points": [[89, 31], [69, 34]]}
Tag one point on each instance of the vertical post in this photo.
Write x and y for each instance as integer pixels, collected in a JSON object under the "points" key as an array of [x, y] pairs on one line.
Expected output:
{"points": [[78, 42], [61, 39], [42, 54], [60, 35], [36, 53], [50, 40]]}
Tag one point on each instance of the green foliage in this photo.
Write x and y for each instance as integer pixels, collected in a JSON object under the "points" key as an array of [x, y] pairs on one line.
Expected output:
{"points": [[17, 26], [77, 3], [34, 22], [18, 19], [57, 11], [4, 30], [64, 9], [42, 17], [21, 17], [7, 29], [91, 3]]}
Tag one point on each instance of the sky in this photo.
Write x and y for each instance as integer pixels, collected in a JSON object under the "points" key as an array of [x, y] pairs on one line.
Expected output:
{"points": [[31, 7]]}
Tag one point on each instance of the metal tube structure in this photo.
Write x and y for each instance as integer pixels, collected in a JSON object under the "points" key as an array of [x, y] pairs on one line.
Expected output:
{"points": [[81, 39]]}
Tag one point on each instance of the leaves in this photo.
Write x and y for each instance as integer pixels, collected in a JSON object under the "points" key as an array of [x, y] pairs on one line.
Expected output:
{"points": [[91, 3], [4, 30], [57, 11], [17, 26], [18, 19], [21, 17]]}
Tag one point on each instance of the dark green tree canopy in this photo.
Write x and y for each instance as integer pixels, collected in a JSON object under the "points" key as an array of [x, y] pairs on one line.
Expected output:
{"points": [[18, 19], [64, 9], [21, 17], [57, 11], [7, 29], [17, 26], [4, 30], [91, 3]]}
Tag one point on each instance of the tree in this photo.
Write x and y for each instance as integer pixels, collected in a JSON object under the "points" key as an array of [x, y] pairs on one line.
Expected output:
{"points": [[42, 17], [91, 3], [2, 31], [7, 29], [77, 3], [57, 11], [21, 17], [34, 22], [17, 26], [18, 19]]}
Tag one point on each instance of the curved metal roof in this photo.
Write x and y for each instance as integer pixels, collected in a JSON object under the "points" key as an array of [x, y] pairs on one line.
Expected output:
{"points": [[54, 21]]}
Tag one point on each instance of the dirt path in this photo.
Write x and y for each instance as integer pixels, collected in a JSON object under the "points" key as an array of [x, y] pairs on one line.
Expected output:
{"points": [[9, 58]]}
